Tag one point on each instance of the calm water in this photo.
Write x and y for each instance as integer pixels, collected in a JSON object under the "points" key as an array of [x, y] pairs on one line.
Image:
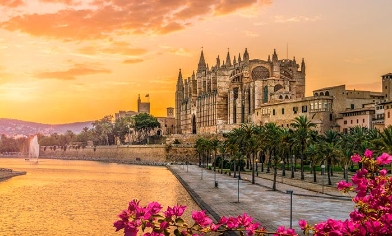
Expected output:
{"points": [[58, 197]]}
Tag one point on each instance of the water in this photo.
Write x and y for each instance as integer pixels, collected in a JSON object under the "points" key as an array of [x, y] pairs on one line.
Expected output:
{"points": [[34, 148], [59, 197]]}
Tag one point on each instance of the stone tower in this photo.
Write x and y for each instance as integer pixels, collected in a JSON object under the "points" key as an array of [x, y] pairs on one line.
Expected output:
{"points": [[387, 86], [179, 98]]}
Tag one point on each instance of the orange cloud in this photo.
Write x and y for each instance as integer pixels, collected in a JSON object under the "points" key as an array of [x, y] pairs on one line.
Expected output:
{"points": [[11, 3], [72, 73], [102, 19], [121, 48], [132, 61]]}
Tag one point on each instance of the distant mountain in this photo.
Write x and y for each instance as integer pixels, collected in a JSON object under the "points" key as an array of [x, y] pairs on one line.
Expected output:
{"points": [[18, 127]]}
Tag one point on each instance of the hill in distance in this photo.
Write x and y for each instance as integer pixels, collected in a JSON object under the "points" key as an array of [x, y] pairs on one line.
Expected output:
{"points": [[13, 127]]}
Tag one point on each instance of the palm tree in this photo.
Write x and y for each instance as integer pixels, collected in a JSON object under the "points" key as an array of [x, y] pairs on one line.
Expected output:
{"points": [[302, 129], [315, 154], [385, 140], [106, 130], [330, 143]]}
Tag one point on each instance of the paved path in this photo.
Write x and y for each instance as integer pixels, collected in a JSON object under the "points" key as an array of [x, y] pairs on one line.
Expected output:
{"points": [[270, 208]]}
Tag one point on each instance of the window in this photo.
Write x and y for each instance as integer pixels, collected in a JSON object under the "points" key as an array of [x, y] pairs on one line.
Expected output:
{"points": [[257, 113], [345, 122], [345, 130], [386, 87], [389, 114], [357, 121], [273, 111], [330, 117], [282, 111], [352, 106], [351, 121], [363, 120], [295, 109], [304, 109]]}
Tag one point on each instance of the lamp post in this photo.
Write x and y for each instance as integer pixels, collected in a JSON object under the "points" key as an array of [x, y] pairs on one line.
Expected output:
{"points": [[323, 173], [186, 157], [238, 190], [291, 207], [292, 166], [257, 171]]}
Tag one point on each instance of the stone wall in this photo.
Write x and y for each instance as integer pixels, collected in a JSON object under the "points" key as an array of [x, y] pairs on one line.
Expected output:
{"points": [[133, 153]]}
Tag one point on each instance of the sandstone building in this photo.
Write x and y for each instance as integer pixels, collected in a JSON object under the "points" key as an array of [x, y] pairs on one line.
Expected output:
{"points": [[217, 99]]}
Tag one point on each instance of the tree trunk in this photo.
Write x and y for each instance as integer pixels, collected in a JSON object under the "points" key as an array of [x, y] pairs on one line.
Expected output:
{"points": [[329, 174], [314, 173], [275, 174]]}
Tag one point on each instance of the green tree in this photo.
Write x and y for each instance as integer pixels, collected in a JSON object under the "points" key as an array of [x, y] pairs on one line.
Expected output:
{"points": [[302, 130]]}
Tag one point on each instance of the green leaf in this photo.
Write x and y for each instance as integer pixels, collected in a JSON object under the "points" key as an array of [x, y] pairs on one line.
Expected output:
{"points": [[177, 232], [179, 220]]}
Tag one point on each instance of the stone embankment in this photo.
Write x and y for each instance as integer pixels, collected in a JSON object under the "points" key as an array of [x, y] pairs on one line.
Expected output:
{"points": [[8, 173], [132, 154]]}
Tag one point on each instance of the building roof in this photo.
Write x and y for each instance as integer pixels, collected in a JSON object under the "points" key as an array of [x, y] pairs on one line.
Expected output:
{"points": [[387, 74], [358, 109]]}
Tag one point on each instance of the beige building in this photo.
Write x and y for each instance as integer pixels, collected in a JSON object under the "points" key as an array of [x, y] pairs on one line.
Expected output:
{"points": [[220, 98], [216, 99], [317, 109], [143, 107], [356, 117]]}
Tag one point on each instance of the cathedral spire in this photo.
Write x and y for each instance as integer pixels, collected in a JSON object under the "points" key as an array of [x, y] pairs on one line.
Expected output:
{"points": [[234, 61], [228, 60], [202, 62], [303, 66], [239, 58], [274, 56], [246, 55], [217, 62], [179, 80]]}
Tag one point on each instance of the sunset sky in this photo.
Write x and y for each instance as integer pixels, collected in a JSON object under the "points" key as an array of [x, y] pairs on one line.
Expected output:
{"points": [[65, 61]]}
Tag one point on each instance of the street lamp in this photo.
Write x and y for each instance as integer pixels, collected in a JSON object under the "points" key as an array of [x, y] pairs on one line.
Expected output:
{"points": [[292, 166], [257, 171], [186, 157], [291, 207], [323, 173], [238, 190]]}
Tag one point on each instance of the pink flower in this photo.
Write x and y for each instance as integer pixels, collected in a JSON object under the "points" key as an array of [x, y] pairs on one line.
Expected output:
{"points": [[343, 185], [232, 223], [383, 172], [302, 224], [154, 207], [201, 218], [175, 211], [281, 230], [133, 205], [244, 220], [384, 159], [164, 225], [368, 153], [356, 158], [214, 227]]}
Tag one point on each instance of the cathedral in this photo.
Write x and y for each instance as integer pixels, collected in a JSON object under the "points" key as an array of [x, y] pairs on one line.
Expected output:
{"points": [[218, 99]]}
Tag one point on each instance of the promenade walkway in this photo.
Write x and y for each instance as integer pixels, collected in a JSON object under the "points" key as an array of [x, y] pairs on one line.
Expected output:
{"points": [[270, 208]]}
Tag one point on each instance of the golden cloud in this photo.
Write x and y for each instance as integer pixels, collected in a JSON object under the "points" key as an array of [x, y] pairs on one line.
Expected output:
{"points": [[102, 19], [132, 61], [121, 48], [72, 73], [11, 3]]}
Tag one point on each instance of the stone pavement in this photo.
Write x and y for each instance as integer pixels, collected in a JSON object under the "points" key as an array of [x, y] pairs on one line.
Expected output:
{"points": [[270, 208]]}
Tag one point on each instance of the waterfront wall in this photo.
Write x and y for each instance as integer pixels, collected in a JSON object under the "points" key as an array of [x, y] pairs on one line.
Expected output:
{"points": [[131, 153]]}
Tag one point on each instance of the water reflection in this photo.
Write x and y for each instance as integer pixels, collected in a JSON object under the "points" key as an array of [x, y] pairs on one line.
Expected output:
{"points": [[58, 197]]}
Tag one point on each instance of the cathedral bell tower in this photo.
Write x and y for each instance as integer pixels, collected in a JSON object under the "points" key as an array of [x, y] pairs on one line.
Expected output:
{"points": [[179, 96]]}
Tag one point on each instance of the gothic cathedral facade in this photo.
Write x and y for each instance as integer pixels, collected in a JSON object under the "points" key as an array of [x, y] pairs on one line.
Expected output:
{"points": [[220, 98]]}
